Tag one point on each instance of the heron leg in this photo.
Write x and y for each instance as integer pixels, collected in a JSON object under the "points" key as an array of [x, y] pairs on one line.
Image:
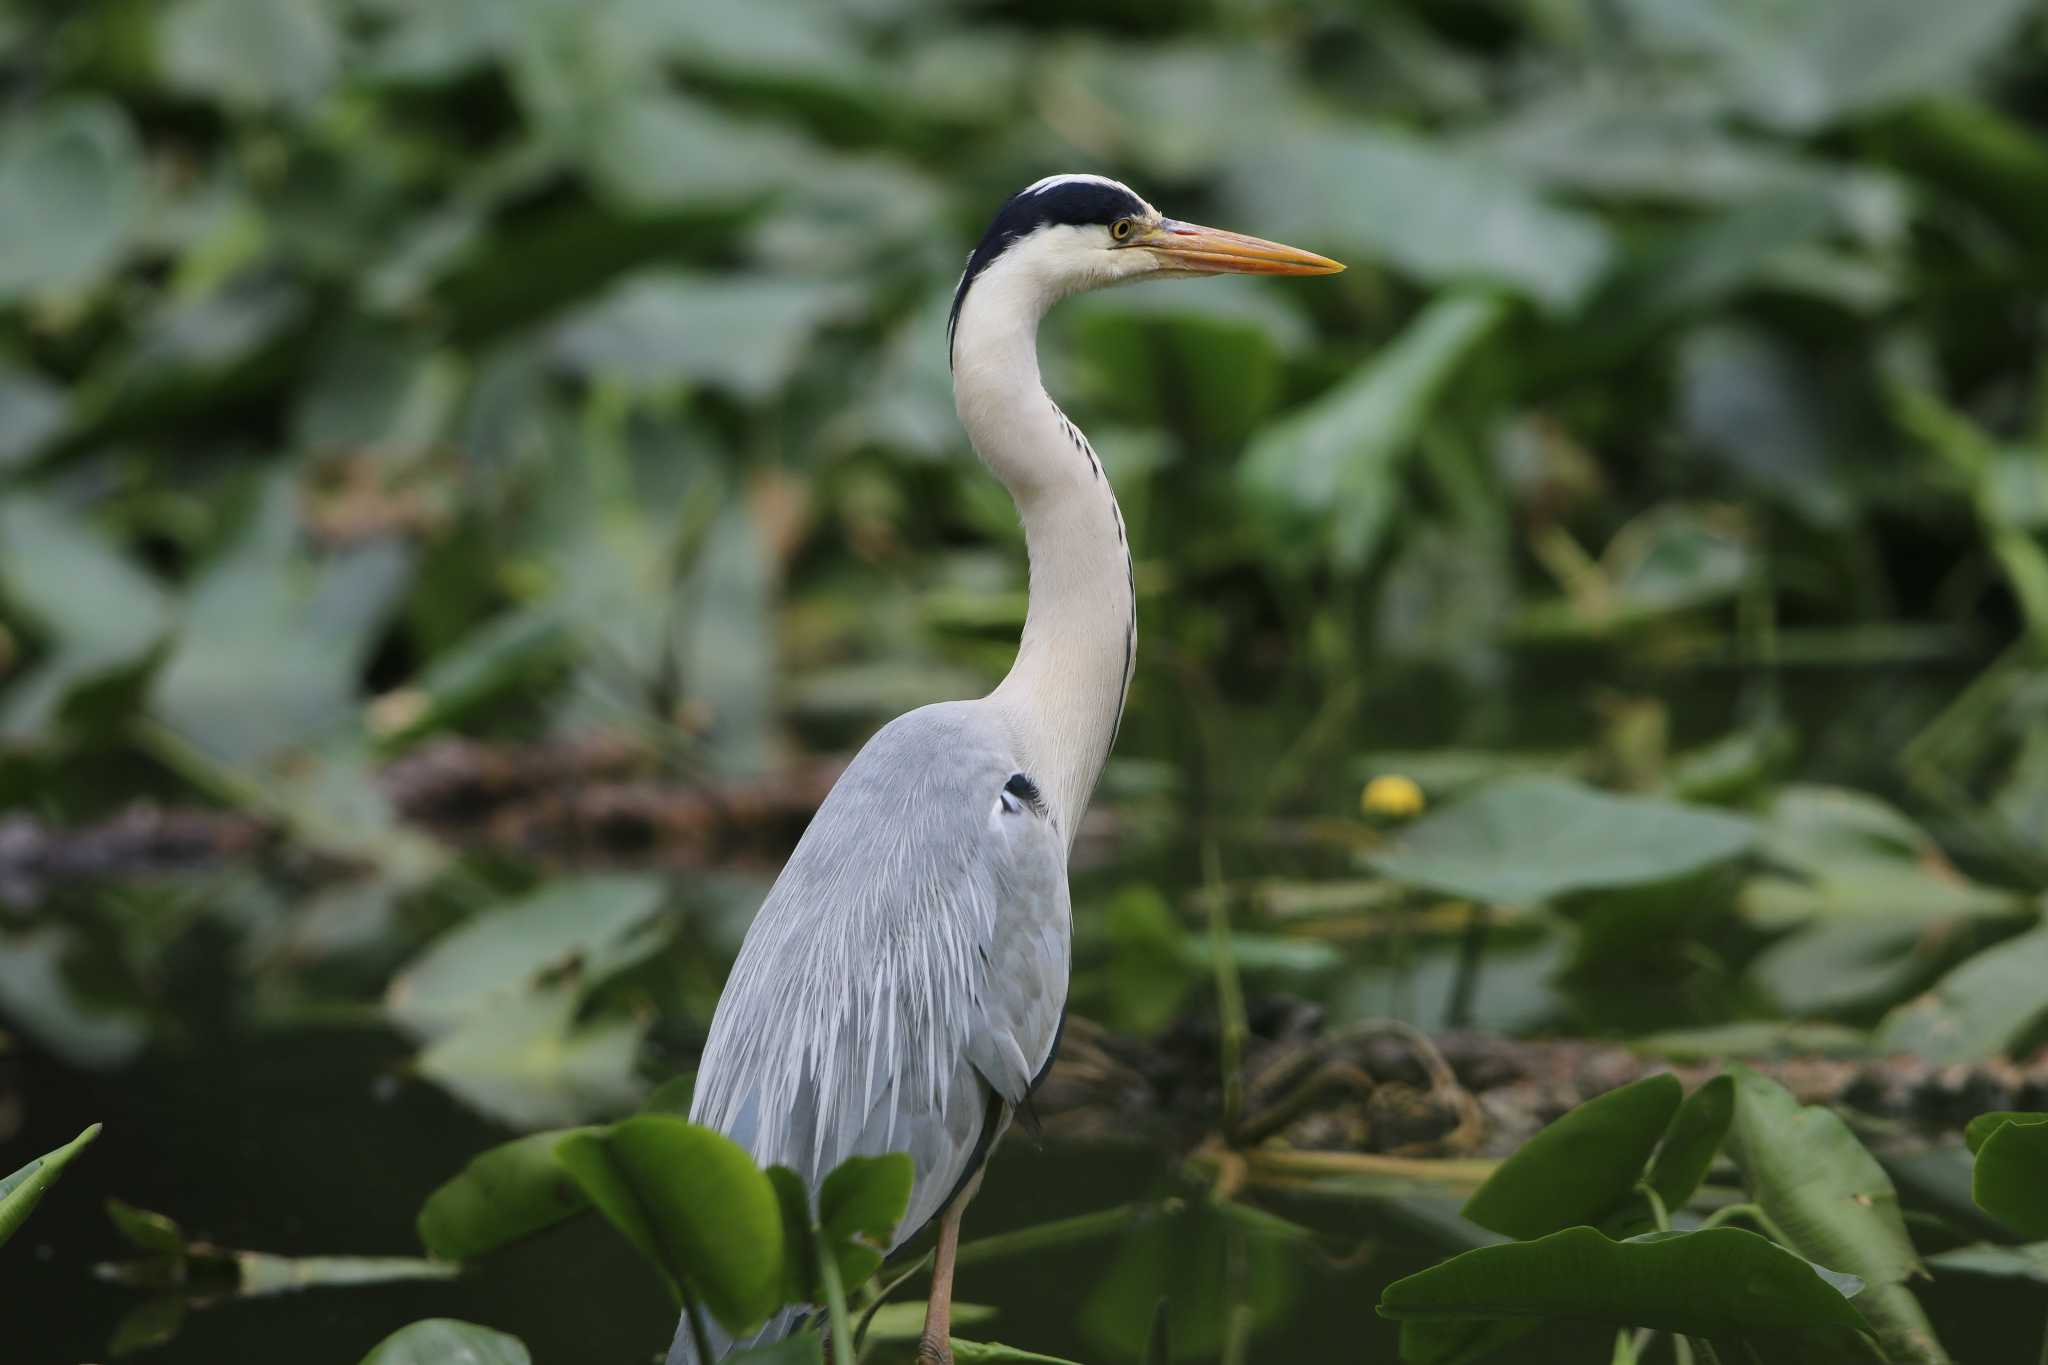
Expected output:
{"points": [[936, 1346]]}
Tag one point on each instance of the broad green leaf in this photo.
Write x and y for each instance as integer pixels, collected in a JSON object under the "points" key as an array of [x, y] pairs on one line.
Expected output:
{"points": [[1365, 192], [274, 639], [1526, 839], [727, 646], [41, 1000], [588, 923], [32, 410], [662, 330], [801, 1282], [1801, 67], [2011, 1178], [658, 150], [525, 1062], [102, 613], [1757, 405], [1834, 1203], [251, 54], [695, 1204], [72, 193], [1579, 1168], [859, 1205], [1718, 1282], [2028, 1262], [444, 1341], [1696, 1133], [25, 1188], [1978, 1010], [1984, 1125], [1338, 459], [1855, 855], [504, 1194]]}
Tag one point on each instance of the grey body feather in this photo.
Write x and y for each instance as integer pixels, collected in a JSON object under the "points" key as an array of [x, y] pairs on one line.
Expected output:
{"points": [[909, 965]]}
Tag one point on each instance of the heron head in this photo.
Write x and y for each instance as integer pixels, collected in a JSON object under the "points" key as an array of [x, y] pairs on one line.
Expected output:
{"points": [[1068, 233]]}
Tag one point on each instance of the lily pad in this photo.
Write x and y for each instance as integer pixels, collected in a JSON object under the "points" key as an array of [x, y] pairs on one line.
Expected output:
{"points": [[1523, 840]]}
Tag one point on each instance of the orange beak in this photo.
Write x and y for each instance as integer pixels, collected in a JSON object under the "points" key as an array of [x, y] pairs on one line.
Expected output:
{"points": [[1212, 251]]}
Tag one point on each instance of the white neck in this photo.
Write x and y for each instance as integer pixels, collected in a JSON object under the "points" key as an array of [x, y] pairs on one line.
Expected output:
{"points": [[1064, 696]]}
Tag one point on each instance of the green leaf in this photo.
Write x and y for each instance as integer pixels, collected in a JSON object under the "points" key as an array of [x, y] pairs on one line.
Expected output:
{"points": [[504, 1194], [25, 1188], [1801, 67], [1978, 1010], [1526, 839], [524, 1062], [1579, 1168], [1338, 459], [859, 1205], [1834, 1204], [1440, 216], [1695, 1135], [72, 193], [801, 1282], [694, 1203], [32, 410], [146, 1230], [904, 1320], [1717, 1282], [444, 1341], [251, 54], [41, 1000], [1983, 1258], [588, 923], [50, 563], [2011, 1178], [662, 330], [994, 1353], [274, 639], [1984, 1125]]}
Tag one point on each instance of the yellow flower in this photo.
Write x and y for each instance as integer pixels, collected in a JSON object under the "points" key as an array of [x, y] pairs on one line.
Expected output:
{"points": [[1391, 796]]}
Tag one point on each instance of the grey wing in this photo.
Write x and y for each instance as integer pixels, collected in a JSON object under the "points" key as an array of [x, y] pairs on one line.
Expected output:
{"points": [[909, 964]]}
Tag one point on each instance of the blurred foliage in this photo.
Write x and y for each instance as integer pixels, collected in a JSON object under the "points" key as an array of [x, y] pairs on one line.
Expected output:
{"points": [[1660, 502]]}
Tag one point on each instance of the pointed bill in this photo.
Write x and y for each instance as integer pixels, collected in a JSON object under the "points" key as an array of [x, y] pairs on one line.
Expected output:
{"points": [[1212, 251]]}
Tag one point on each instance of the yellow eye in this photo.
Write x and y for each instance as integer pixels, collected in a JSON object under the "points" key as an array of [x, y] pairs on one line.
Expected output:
{"points": [[1121, 229]]}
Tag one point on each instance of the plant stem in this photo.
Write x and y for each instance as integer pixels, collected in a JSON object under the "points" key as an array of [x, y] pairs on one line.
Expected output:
{"points": [[1229, 989], [1755, 1214], [917, 1267], [1658, 1213], [835, 1301], [1082, 1228], [1471, 953], [697, 1337]]}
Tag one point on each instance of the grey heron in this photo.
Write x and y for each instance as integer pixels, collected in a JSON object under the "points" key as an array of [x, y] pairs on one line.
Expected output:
{"points": [[903, 985]]}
